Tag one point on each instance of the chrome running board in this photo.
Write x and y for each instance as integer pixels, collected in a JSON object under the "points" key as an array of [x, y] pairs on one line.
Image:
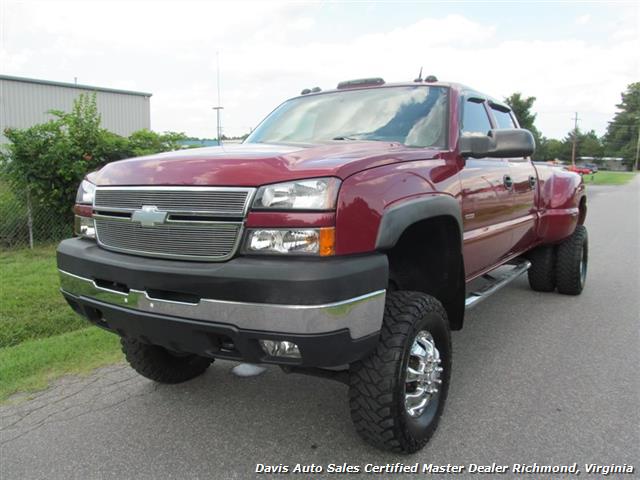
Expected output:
{"points": [[495, 283]]}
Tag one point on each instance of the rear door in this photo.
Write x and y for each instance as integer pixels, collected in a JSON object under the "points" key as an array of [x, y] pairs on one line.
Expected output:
{"points": [[523, 180], [485, 198]]}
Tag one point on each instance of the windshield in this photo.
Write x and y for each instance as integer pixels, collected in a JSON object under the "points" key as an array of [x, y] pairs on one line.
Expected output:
{"points": [[414, 116]]}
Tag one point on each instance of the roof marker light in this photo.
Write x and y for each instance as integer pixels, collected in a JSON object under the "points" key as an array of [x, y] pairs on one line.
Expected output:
{"points": [[361, 82]]}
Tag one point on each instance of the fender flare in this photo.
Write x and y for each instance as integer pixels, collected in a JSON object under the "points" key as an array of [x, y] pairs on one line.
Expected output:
{"points": [[399, 217]]}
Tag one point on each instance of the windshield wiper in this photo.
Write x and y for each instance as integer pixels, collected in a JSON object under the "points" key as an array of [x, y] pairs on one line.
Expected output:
{"points": [[352, 136]]}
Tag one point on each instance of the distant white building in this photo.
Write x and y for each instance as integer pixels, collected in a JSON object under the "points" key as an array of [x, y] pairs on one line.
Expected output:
{"points": [[24, 102]]}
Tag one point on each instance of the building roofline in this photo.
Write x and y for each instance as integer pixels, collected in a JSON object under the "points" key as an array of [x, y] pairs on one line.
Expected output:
{"points": [[73, 85]]}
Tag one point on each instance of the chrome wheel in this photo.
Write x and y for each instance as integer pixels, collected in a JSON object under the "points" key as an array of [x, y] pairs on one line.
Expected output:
{"points": [[583, 266], [422, 380]]}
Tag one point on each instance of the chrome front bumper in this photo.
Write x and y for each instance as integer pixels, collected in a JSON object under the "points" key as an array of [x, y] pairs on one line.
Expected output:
{"points": [[361, 315]]}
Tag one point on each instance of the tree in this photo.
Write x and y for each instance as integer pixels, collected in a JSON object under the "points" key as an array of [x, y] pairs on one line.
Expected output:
{"points": [[589, 145], [621, 139], [548, 149], [146, 142], [554, 149], [521, 107]]}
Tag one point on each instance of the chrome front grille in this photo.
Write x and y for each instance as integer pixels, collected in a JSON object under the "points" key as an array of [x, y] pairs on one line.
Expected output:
{"points": [[169, 240], [216, 201], [201, 223]]}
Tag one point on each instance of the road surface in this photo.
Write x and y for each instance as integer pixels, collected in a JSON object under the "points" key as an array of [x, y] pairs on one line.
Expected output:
{"points": [[537, 377]]}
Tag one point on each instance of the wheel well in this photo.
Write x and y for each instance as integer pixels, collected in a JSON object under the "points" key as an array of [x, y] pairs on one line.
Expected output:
{"points": [[428, 258], [582, 208]]}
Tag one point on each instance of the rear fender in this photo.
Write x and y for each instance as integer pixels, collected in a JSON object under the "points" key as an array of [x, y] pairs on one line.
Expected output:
{"points": [[562, 204]]}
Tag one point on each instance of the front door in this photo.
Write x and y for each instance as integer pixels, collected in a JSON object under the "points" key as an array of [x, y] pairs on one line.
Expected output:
{"points": [[523, 179], [485, 198]]}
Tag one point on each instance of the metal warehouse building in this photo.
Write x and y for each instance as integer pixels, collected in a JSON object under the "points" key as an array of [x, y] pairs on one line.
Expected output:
{"points": [[24, 102]]}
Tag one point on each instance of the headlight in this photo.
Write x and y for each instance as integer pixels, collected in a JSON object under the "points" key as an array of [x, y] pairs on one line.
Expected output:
{"points": [[313, 194], [301, 241], [85, 194]]}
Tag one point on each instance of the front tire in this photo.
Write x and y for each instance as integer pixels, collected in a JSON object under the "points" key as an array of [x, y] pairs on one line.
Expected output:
{"points": [[571, 266], [160, 365], [411, 364]]}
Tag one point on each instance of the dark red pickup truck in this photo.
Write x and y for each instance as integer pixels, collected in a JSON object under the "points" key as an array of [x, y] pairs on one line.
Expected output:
{"points": [[344, 238]]}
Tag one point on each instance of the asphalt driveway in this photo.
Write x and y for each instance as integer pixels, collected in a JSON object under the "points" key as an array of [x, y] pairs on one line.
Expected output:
{"points": [[537, 377]]}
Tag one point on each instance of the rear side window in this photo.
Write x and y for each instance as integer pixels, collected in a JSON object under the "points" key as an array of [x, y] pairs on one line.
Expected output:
{"points": [[503, 119], [475, 118]]}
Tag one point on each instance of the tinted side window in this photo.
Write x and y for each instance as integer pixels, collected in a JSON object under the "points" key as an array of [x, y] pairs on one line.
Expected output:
{"points": [[503, 119], [475, 118]]}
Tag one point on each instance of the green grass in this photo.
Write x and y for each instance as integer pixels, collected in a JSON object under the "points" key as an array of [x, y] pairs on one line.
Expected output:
{"points": [[33, 364], [41, 338], [30, 302], [609, 178]]}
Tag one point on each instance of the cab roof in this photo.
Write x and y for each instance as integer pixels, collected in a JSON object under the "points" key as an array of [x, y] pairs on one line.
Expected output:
{"points": [[375, 83]]}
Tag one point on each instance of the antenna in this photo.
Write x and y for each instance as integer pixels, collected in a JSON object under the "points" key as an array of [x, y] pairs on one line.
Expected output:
{"points": [[219, 106], [419, 79]]}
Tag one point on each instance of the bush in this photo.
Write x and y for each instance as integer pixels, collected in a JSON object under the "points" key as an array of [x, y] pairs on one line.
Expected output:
{"points": [[46, 163], [49, 160], [146, 142]]}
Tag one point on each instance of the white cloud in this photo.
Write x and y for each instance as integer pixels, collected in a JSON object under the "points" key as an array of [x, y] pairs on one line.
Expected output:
{"points": [[269, 52], [583, 19]]}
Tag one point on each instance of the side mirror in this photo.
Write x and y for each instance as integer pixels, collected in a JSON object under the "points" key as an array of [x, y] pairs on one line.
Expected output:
{"points": [[514, 142]]}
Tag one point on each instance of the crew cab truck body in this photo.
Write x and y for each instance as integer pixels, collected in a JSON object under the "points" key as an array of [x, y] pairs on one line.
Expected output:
{"points": [[344, 238]]}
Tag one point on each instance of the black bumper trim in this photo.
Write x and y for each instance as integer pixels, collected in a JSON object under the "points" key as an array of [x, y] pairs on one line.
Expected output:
{"points": [[300, 281]]}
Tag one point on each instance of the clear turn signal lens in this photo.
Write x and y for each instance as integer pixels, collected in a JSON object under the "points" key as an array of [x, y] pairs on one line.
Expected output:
{"points": [[309, 241]]}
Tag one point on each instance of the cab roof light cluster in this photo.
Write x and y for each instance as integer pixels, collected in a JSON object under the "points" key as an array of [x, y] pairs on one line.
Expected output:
{"points": [[429, 79], [361, 82], [307, 91]]}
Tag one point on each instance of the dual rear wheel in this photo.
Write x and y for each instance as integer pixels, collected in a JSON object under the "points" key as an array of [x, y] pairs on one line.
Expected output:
{"points": [[562, 267]]}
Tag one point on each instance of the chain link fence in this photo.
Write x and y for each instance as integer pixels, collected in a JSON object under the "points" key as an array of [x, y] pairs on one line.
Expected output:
{"points": [[24, 223]]}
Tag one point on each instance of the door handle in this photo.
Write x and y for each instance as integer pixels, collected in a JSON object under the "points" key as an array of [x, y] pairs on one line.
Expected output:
{"points": [[532, 181], [507, 181]]}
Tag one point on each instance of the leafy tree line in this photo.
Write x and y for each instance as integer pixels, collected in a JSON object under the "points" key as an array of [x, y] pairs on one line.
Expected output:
{"points": [[620, 140], [48, 161]]}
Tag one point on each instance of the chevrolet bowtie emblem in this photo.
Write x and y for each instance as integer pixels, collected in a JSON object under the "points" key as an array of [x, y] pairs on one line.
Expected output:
{"points": [[149, 216]]}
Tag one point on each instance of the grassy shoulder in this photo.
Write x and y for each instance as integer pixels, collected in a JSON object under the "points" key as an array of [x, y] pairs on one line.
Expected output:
{"points": [[41, 338], [609, 178], [30, 302], [33, 364]]}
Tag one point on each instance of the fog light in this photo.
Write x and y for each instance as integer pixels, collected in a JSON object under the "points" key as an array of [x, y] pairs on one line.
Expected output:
{"points": [[275, 348], [84, 227]]}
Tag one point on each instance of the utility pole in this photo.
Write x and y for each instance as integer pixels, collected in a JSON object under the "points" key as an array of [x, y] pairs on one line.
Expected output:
{"points": [[218, 129], [638, 148], [575, 140], [219, 106]]}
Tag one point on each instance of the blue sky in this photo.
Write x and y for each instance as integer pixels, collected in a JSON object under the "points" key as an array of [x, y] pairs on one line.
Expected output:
{"points": [[572, 56]]}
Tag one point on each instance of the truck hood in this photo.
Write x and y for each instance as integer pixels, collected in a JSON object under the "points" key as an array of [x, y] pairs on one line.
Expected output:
{"points": [[254, 164]]}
